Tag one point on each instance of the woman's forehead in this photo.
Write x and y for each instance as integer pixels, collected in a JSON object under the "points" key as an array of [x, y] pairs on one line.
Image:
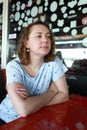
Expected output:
{"points": [[39, 27]]}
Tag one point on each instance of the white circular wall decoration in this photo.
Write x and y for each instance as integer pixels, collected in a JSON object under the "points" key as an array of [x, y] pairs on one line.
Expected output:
{"points": [[54, 17], [18, 3], [46, 3], [38, 2], [19, 28], [53, 6], [12, 17], [17, 16], [74, 32], [20, 22], [84, 42], [22, 15], [28, 12], [30, 2], [65, 15], [34, 11], [84, 30], [66, 29], [63, 9], [84, 10], [18, 8], [23, 6], [60, 14]]}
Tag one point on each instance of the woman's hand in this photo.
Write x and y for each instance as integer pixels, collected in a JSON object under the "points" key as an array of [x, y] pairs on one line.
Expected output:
{"points": [[22, 91]]}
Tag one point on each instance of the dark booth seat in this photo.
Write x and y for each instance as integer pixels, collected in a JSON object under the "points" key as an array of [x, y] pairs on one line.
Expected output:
{"points": [[77, 77], [2, 84]]}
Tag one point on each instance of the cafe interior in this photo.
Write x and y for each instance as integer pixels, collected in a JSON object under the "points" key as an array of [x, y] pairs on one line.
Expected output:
{"points": [[68, 21]]}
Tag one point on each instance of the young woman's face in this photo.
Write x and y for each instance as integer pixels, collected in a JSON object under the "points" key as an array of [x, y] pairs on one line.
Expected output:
{"points": [[39, 42]]}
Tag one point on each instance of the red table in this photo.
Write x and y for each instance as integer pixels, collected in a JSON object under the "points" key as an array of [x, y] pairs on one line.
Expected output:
{"points": [[71, 115]]}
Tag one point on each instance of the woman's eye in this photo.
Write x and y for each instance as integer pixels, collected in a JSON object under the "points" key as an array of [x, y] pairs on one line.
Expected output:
{"points": [[39, 36], [48, 37]]}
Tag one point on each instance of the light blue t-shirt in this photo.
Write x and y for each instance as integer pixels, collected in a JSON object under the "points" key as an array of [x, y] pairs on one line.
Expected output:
{"points": [[48, 72]]}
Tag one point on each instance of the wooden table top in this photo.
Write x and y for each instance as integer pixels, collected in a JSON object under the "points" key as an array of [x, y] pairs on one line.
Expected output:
{"points": [[71, 115]]}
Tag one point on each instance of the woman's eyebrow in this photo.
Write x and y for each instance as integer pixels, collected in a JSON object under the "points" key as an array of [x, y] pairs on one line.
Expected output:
{"points": [[42, 32]]}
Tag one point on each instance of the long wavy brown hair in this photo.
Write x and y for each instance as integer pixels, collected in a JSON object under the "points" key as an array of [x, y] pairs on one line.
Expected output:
{"points": [[22, 39]]}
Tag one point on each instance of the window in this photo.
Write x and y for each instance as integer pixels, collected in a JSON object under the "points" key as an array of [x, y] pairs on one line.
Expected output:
{"points": [[74, 54]]}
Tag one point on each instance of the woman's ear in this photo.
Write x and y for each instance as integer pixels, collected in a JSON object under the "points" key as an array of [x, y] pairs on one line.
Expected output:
{"points": [[27, 44]]}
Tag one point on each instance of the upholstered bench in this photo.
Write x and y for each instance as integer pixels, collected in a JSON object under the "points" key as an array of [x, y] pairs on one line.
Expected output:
{"points": [[2, 84]]}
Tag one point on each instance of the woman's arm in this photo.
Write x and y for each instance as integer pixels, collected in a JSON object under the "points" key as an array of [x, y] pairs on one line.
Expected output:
{"points": [[25, 106], [22, 90], [62, 95]]}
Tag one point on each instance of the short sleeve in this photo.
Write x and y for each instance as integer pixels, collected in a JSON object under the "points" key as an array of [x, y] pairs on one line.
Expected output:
{"points": [[58, 69], [13, 72]]}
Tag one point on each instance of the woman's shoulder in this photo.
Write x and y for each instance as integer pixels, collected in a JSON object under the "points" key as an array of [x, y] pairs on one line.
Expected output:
{"points": [[58, 63], [53, 63], [14, 62], [56, 60]]}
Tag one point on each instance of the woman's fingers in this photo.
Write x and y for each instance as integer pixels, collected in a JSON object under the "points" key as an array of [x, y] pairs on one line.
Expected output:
{"points": [[21, 90]]}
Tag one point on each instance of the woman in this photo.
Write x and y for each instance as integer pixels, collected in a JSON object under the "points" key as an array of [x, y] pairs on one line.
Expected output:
{"points": [[36, 77]]}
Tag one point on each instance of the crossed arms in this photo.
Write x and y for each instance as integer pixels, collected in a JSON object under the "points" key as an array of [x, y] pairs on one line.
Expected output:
{"points": [[26, 104]]}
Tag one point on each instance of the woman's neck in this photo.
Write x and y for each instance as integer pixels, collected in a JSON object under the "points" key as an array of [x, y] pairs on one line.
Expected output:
{"points": [[33, 67]]}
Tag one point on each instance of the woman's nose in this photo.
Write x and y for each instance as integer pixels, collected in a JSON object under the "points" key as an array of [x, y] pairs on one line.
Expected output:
{"points": [[45, 39]]}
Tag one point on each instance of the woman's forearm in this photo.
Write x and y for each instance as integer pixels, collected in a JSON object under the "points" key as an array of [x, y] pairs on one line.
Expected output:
{"points": [[34, 103], [59, 98]]}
